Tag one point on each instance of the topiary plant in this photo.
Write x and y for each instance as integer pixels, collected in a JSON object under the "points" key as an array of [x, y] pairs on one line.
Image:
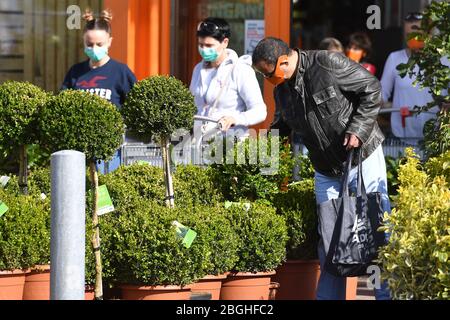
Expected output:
{"points": [[416, 260], [298, 207], [20, 104], [142, 247], [157, 107], [77, 120], [262, 237], [214, 231], [24, 231]]}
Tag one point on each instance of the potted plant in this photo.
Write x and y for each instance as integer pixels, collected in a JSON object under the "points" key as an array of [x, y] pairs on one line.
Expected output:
{"points": [[20, 104], [77, 120], [156, 107], [262, 248], [24, 241], [147, 259], [299, 275], [216, 233]]}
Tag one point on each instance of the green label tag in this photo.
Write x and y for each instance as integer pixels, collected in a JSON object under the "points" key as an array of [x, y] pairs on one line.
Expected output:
{"points": [[105, 204], [3, 208], [4, 181], [186, 234]]}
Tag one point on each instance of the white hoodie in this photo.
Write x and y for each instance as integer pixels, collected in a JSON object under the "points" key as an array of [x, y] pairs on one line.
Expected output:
{"points": [[241, 98]]}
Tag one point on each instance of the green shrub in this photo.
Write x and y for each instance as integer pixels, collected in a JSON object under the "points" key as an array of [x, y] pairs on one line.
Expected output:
{"points": [[262, 237], [216, 233], [193, 185], [439, 166], [158, 106], [77, 120], [415, 261], [251, 180], [20, 104], [142, 247], [24, 231], [39, 181], [298, 207]]}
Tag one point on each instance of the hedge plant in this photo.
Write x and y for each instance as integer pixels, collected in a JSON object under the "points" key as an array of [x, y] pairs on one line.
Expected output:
{"points": [[77, 120], [262, 237], [416, 260], [20, 105], [157, 107], [24, 231], [142, 247], [298, 207], [214, 231], [193, 185]]}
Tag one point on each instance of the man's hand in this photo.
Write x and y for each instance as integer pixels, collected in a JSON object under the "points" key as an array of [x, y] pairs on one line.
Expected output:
{"points": [[351, 141], [226, 123]]}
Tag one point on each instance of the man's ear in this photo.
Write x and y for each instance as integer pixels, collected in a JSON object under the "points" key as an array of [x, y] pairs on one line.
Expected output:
{"points": [[226, 42]]}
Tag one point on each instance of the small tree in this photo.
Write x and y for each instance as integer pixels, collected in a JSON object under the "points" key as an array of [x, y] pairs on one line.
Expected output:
{"points": [[157, 107], [432, 73], [76, 120], [20, 103]]}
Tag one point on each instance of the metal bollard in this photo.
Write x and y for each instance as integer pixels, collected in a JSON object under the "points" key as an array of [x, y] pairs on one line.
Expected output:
{"points": [[67, 248]]}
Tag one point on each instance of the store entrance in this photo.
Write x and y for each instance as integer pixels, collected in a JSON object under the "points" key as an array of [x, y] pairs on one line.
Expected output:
{"points": [[188, 13]]}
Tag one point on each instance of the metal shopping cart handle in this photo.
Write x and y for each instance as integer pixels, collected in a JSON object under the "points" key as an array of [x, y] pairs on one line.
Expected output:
{"points": [[207, 119]]}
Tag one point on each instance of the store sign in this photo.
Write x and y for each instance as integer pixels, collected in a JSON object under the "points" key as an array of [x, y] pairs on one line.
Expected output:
{"points": [[254, 33]]}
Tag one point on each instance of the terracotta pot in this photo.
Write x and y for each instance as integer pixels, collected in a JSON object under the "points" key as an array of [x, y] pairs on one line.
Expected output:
{"points": [[246, 286], [155, 292], [298, 279], [11, 284], [37, 284], [209, 284], [89, 292], [273, 290], [351, 288]]}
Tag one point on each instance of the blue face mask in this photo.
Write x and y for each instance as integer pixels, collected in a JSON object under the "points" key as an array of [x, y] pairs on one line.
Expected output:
{"points": [[96, 54], [208, 54]]}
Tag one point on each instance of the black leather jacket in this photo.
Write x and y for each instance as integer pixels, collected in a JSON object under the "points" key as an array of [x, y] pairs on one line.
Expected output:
{"points": [[330, 96]]}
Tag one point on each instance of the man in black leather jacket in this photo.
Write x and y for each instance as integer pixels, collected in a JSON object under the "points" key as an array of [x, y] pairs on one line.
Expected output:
{"points": [[333, 104]]}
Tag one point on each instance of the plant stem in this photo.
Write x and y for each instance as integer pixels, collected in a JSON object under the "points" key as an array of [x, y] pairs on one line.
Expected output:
{"points": [[96, 234], [165, 144], [23, 170]]}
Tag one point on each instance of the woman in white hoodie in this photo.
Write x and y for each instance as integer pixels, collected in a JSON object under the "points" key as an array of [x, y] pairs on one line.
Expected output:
{"points": [[225, 86]]}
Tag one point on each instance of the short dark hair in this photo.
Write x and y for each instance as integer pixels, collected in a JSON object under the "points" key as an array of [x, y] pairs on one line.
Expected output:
{"points": [[360, 40], [330, 43], [222, 31], [269, 50]]}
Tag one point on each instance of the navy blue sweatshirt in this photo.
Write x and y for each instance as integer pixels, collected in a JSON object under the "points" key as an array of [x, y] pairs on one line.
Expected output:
{"points": [[112, 81]]}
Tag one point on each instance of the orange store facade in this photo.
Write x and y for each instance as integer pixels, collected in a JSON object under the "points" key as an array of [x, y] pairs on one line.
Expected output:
{"points": [[158, 36]]}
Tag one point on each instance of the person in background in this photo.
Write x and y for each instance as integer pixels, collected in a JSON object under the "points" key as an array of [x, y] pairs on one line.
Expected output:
{"points": [[331, 44], [224, 85], [100, 74], [359, 48], [405, 95]]}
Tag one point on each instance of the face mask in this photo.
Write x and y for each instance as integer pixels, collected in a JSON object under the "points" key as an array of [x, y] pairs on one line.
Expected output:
{"points": [[278, 76], [96, 54], [208, 54], [415, 44], [355, 55]]}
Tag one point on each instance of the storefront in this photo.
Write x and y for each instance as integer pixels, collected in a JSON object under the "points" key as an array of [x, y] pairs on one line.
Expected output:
{"points": [[159, 36]]}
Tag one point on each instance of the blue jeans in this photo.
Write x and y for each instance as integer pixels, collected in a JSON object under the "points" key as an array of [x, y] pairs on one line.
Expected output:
{"points": [[107, 167], [326, 188]]}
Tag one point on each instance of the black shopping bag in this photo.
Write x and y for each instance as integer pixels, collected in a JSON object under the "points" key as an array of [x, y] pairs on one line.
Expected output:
{"points": [[349, 226]]}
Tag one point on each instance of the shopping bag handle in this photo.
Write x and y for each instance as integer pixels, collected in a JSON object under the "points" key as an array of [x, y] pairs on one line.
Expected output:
{"points": [[360, 187]]}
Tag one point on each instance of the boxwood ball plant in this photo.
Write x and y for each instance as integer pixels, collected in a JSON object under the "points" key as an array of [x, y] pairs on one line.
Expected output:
{"points": [[20, 103], [157, 107], [77, 120]]}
